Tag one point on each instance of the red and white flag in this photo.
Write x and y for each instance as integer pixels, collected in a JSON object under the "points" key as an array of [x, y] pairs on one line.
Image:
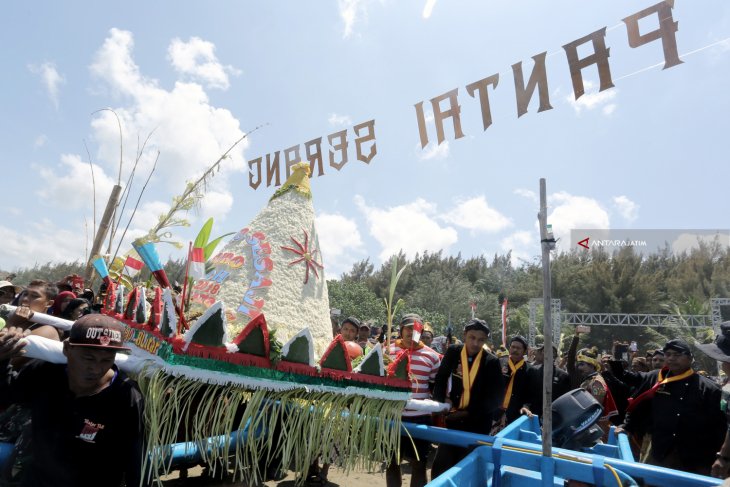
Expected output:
{"points": [[132, 266], [504, 322], [197, 263], [417, 331]]}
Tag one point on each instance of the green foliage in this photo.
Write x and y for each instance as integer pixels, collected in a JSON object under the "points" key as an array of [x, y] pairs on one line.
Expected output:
{"points": [[50, 271], [356, 299], [202, 240], [436, 286]]}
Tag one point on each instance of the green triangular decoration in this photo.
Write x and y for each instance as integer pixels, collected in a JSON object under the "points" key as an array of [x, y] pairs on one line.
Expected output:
{"points": [[253, 343], [336, 358], [372, 364], [168, 324], [401, 369], [298, 351], [141, 311], [211, 331], [165, 328]]}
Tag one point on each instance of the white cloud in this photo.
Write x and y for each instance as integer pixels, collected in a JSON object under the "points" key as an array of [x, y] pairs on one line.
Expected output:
{"points": [[216, 202], [339, 242], [339, 120], [71, 185], [45, 242], [593, 99], [40, 141], [189, 133], [526, 193], [196, 58], [626, 208], [411, 227], [351, 12], [525, 246], [51, 79], [571, 212], [433, 151], [475, 214], [428, 8]]}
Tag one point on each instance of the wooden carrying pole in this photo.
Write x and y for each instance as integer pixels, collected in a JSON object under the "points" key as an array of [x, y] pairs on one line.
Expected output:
{"points": [[547, 242], [103, 229]]}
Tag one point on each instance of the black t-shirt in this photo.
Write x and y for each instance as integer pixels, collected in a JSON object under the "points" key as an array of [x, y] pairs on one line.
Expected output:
{"points": [[94, 440]]}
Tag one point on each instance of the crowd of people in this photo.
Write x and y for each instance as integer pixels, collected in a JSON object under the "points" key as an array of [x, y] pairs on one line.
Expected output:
{"points": [[74, 424], [675, 417], [68, 423]]}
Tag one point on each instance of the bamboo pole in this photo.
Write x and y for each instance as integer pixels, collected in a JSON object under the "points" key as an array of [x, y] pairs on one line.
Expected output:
{"points": [[104, 225]]}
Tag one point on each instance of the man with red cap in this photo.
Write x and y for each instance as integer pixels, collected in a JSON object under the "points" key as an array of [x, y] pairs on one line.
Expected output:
{"points": [[87, 415], [423, 364]]}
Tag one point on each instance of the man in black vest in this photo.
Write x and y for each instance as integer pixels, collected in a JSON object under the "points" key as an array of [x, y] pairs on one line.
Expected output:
{"points": [[517, 381], [681, 411], [476, 393]]}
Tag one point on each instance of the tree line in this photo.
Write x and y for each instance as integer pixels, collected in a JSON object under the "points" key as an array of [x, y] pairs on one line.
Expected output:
{"points": [[441, 287]]}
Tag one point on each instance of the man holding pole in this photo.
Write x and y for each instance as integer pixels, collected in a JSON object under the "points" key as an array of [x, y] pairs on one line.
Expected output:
{"points": [[87, 415]]}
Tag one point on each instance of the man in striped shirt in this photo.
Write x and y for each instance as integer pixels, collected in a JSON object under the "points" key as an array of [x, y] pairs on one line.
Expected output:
{"points": [[424, 364]]}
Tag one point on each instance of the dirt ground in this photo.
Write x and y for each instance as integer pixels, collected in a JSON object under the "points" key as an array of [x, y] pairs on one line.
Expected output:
{"points": [[196, 477], [336, 478]]}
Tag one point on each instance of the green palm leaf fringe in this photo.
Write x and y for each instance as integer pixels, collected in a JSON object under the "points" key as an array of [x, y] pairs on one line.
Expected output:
{"points": [[360, 431]]}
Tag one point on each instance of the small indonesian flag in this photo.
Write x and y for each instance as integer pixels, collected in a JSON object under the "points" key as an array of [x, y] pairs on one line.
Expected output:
{"points": [[504, 322], [132, 266], [197, 263], [417, 330]]}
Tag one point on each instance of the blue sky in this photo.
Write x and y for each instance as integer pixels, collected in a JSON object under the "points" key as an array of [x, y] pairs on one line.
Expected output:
{"points": [[649, 153]]}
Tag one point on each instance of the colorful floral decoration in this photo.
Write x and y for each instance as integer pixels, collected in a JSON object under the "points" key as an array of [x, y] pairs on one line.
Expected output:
{"points": [[228, 371]]}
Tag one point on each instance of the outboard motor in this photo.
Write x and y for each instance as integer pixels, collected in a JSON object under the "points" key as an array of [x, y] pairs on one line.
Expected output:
{"points": [[575, 415]]}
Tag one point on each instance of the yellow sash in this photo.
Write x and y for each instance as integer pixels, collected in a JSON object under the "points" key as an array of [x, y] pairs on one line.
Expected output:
{"points": [[514, 369], [468, 376], [661, 380]]}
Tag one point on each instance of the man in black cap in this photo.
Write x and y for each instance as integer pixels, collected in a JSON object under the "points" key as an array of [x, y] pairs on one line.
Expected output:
{"points": [[657, 359], [681, 411], [349, 329], [516, 372], [720, 351], [87, 415], [477, 389]]}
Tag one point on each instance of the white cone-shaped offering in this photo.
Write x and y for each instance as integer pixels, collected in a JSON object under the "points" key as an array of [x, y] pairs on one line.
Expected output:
{"points": [[274, 266]]}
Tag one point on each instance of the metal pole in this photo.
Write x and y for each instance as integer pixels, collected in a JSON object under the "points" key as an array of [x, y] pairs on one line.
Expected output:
{"points": [[547, 242]]}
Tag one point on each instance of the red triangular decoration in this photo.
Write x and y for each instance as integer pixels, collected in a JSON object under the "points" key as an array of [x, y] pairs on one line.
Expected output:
{"points": [[400, 367], [254, 338], [156, 310]]}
